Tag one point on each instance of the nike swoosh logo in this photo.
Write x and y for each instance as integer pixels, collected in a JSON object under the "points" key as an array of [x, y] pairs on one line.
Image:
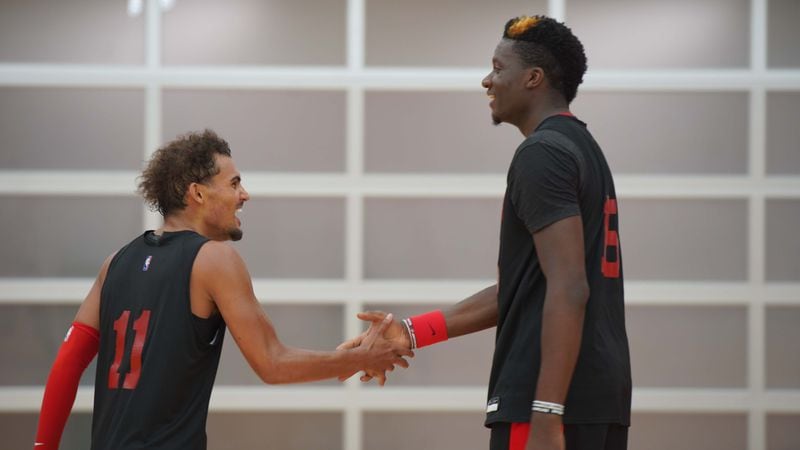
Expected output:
{"points": [[433, 332]]}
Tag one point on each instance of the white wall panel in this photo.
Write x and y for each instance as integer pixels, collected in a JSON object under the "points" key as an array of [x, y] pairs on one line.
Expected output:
{"points": [[669, 132], [293, 237], [684, 239], [652, 34], [783, 16], [439, 132], [671, 346], [783, 431], [439, 33], [75, 31], [267, 130], [782, 243], [431, 238], [783, 134], [255, 32], [65, 236], [71, 128], [782, 355]]}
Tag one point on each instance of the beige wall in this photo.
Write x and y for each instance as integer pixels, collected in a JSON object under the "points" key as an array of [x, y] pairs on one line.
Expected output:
{"points": [[377, 178]]}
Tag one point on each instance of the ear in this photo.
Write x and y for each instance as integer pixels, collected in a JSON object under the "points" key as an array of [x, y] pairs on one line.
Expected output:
{"points": [[195, 193], [535, 78]]}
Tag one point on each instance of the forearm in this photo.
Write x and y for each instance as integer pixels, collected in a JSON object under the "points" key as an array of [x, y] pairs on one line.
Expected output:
{"points": [[77, 351], [475, 313], [562, 326], [297, 365]]}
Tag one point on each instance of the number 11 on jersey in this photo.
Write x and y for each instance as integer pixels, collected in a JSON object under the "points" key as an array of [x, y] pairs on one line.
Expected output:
{"points": [[140, 334]]}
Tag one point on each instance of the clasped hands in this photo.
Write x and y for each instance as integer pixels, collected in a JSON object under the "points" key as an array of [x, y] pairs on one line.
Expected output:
{"points": [[383, 332]]}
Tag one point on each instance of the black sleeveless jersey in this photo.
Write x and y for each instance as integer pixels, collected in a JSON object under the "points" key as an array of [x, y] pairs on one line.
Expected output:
{"points": [[157, 361], [558, 172]]}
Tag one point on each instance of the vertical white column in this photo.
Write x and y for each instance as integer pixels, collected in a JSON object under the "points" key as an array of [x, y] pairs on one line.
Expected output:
{"points": [[557, 9], [356, 10], [756, 423], [152, 102]]}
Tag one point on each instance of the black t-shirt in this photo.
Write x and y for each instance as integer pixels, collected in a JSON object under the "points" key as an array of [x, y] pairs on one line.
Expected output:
{"points": [[558, 172], [157, 361]]}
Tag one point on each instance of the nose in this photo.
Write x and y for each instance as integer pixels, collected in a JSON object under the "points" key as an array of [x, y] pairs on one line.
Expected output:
{"points": [[486, 81], [244, 194]]}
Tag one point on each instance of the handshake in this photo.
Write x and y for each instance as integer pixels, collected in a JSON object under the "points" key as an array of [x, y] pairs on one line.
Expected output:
{"points": [[380, 348]]}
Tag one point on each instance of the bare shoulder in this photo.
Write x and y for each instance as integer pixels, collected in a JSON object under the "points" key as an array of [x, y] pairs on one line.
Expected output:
{"points": [[101, 276], [218, 260], [89, 312], [216, 253]]}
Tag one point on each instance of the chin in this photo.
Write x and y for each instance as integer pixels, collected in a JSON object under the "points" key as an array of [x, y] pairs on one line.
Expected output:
{"points": [[496, 120], [235, 234]]}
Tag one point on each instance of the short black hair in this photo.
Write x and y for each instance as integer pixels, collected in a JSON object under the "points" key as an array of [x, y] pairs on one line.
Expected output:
{"points": [[186, 160], [543, 42]]}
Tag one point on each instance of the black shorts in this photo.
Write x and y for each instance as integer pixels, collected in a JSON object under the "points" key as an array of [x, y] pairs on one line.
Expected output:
{"points": [[514, 436]]}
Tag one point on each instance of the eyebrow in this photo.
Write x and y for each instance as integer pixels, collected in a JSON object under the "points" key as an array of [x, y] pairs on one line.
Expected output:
{"points": [[236, 178]]}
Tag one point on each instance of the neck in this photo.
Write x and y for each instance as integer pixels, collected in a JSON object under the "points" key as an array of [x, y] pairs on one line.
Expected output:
{"points": [[178, 222], [542, 110]]}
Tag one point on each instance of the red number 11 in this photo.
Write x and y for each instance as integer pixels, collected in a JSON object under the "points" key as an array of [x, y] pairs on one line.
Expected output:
{"points": [[140, 334]]}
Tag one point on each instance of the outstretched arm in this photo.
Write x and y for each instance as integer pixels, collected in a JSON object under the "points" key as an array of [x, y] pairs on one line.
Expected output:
{"points": [[220, 274], [475, 313], [77, 351]]}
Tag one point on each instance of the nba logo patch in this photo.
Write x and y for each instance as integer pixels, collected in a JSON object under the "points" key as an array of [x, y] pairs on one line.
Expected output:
{"points": [[147, 263]]}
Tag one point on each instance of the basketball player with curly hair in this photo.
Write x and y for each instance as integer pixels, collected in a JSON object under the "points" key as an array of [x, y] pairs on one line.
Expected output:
{"points": [[157, 313]]}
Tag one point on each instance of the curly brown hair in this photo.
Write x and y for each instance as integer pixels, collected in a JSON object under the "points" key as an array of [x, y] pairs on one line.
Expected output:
{"points": [[186, 160]]}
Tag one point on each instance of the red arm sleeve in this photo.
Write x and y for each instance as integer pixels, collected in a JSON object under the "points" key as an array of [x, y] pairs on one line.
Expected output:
{"points": [[79, 348]]}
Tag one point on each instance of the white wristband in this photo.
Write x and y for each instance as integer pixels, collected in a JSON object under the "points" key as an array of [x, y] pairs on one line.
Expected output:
{"points": [[410, 329], [547, 407]]}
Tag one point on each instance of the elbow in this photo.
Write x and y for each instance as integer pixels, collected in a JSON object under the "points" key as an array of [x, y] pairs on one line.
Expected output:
{"points": [[270, 377], [266, 372], [273, 375], [578, 292], [575, 293], [269, 370]]}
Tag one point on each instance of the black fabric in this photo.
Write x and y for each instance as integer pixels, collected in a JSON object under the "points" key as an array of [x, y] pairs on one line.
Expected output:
{"points": [[558, 172], [596, 437], [168, 406], [577, 437]]}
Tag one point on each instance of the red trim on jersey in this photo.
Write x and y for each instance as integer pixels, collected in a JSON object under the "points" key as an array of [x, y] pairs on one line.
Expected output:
{"points": [[79, 348], [429, 328], [519, 436], [566, 114]]}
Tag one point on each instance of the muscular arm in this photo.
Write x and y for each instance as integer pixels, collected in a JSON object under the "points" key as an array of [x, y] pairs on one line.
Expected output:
{"points": [[220, 275], [89, 312], [561, 255], [76, 352]]}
